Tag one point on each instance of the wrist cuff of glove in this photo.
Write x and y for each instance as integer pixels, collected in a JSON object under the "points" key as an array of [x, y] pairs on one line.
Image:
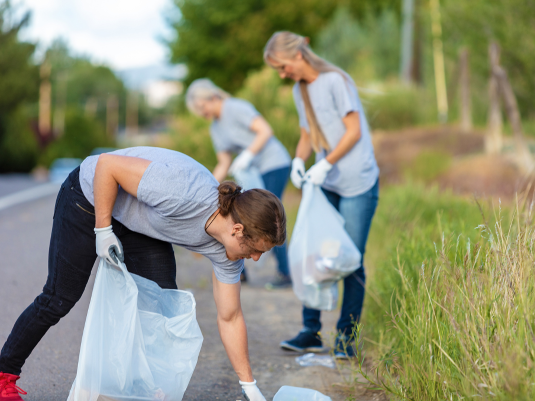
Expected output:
{"points": [[253, 383], [103, 229]]}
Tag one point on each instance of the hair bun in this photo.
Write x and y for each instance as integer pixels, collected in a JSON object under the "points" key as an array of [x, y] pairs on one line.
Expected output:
{"points": [[228, 192]]}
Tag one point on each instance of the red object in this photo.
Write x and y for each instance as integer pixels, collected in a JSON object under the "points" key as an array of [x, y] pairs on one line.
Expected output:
{"points": [[9, 391]]}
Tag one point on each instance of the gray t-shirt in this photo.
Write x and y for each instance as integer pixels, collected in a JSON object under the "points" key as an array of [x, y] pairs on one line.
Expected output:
{"points": [[175, 198], [232, 133], [332, 98]]}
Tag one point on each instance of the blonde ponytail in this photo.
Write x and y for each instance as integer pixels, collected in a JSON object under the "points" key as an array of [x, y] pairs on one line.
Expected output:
{"points": [[288, 44], [316, 134]]}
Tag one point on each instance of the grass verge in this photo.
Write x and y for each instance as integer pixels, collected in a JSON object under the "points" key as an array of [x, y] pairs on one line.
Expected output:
{"points": [[450, 301]]}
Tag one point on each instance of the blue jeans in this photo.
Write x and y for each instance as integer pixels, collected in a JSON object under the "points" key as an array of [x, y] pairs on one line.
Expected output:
{"points": [[275, 181], [358, 213], [71, 257]]}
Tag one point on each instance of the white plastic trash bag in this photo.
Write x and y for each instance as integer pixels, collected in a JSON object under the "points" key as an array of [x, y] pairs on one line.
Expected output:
{"points": [[249, 179], [321, 251], [288, 393], [140, 342]]}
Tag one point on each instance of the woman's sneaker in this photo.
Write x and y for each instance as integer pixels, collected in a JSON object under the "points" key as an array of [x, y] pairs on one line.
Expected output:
{"points": [[8, 389], [281, 281], [306, 341]]}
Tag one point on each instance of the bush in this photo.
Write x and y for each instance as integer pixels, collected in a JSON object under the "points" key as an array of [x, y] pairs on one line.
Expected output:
{"points": [[82, 134], [18, 147], [393, 106]]}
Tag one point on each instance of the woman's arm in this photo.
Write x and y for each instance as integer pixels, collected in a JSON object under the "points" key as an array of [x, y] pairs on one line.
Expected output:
{"points": [[224, 160], [232, 327], [350, 138], [110, 172], [263, 132], [304, 146]]}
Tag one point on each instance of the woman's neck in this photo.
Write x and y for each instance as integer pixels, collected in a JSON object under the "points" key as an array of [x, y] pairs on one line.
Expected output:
{"points": [[310, 74], [218, 106]]}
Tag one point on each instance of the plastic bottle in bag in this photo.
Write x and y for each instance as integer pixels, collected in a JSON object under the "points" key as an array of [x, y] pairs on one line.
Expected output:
{"points": [[321, 251]]}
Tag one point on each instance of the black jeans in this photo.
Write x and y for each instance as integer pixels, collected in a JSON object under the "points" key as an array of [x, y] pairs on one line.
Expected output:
{"points": [[71, 257]]}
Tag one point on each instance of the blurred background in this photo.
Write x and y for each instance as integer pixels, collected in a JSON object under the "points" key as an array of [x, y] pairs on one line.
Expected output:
{"points": [[77, 75]]}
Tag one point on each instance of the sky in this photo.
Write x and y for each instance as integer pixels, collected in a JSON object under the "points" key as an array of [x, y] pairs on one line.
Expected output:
{"points": [[120, 33]]}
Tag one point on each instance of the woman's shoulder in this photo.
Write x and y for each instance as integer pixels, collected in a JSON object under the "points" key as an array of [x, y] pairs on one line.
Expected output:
{"points": [[237, 103], [332, 78]]}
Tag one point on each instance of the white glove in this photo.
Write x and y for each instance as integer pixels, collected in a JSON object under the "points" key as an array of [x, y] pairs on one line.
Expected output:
{"points": [[242, 161], [318, 172], [108, 246], [251, 392], [298, 172]]}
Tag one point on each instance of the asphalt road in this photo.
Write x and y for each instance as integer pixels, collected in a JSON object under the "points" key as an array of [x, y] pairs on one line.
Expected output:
{"points": [[49, 372]]}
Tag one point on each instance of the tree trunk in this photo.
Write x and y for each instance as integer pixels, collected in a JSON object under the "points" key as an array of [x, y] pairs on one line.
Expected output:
{"points": [[464, 90], [45, 100], [494, 138], [112, 115], [523, 155]]}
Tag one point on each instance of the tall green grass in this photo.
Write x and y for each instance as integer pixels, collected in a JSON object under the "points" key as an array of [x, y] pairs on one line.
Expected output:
{"points": [[450, 301]]}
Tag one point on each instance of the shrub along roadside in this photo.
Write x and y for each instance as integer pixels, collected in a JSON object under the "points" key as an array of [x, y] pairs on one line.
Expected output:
{"points": [[449, 311]]}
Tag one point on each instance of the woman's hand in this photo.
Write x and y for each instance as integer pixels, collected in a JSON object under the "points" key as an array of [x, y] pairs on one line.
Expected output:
{"points": [[298, 172], [317, 174], [242, 161], [251, 391]]}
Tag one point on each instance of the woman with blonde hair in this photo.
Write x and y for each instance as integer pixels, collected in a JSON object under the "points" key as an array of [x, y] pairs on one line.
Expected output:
{"points": [[333, 124], [238, 128]]}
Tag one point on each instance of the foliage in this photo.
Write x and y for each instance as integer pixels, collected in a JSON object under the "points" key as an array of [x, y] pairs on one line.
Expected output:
{"points": [[508, 22], [224, 39], [82, 134], [191, 136], [18, 146], [18, 75], [77, 82], [359, 47]]}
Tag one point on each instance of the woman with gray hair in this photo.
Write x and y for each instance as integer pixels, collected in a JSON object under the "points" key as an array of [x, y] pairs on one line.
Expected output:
{"points": [[238, 129], [333, 125]]}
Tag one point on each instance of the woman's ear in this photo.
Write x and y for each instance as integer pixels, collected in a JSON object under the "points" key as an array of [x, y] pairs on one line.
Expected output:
{"points": [[299, 56], [237, 230]]}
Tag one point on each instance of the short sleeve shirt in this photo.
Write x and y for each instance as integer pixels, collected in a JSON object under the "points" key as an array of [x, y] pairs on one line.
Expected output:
{"points": [[175, 198], [332, 98], [232, 133]]}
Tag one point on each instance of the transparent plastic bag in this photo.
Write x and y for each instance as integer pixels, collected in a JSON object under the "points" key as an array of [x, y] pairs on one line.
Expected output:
{"points": [[288, 393], [320, 252], [140, 342], [312, 359], [249, 179]]}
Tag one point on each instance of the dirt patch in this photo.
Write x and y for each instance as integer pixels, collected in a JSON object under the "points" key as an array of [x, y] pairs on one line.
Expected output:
{"points": [[396, 151], [469, 173]]}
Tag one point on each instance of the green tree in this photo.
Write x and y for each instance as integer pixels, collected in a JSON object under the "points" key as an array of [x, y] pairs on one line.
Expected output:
{"points": [[19, 83], [82, 81], [19, 78], [224, 39]]}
